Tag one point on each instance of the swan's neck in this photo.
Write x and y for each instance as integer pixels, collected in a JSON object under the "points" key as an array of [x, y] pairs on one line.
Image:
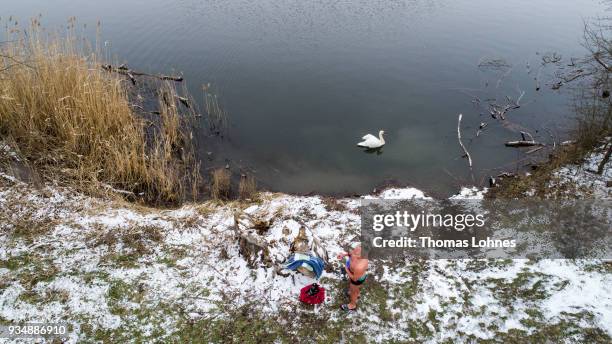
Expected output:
{"points": [[380, 137]]}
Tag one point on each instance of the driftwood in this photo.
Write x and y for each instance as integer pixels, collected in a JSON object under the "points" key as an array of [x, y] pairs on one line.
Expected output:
{"points": [[523, 143], [597, 58], [124, 70], [467, 154], [498, 111], [506, 175], [527, 140], [524, 135], [534, 150], [567, 78], [481, 128]]}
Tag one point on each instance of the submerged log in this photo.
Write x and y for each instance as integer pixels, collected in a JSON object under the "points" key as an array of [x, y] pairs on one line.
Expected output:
{"points": [[523, 143]]}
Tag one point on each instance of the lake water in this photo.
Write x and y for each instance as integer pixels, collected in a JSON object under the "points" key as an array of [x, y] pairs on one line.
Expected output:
{"points": [[303, 81]]}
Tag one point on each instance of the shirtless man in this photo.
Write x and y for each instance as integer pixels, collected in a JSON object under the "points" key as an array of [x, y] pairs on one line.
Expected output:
{"points": [[356, 269]]}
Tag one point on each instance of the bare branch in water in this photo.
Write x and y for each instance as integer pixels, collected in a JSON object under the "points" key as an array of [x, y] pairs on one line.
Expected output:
{"points": [[523, 143], [552, 57], [598, 59], [481, 128], [466, 153], [534, 150], [499, 111], [123, 69]]}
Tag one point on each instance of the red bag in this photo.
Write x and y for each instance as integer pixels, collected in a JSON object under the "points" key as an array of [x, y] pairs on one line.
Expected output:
{"points": [[312, 294]]}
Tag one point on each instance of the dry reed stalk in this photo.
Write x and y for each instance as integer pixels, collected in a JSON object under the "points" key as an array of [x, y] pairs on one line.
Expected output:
{"points": [[247, 187], [220, 185]]}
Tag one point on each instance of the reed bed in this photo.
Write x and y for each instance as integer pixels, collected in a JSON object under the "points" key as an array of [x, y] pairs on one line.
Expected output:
{"points": [[75, 123]]}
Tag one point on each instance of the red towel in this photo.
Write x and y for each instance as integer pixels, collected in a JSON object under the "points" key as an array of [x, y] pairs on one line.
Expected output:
{"points": [[312, 294]]}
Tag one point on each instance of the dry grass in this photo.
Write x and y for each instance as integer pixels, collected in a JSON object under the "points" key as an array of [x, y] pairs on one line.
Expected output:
{"points": [[332, 204], [75, 123], [220, 184], [247, 189], [594, 120], [538, 180], [215, 113]]}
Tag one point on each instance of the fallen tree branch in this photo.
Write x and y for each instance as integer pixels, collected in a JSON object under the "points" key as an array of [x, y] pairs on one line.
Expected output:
{"points": [[524, 136], [534, 150], [498, 111], [567, 143], [467, 154], [523, 143], [567, 78], [506, 175], [124, 70], [518, 101], [481, 128], [603, 64]]}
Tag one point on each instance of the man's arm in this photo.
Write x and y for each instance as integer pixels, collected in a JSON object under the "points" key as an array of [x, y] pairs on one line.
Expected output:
{"points": [[348, 272]]}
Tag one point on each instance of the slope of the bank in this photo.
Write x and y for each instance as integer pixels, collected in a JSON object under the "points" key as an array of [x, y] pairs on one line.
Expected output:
{"points": [[117, 272]]}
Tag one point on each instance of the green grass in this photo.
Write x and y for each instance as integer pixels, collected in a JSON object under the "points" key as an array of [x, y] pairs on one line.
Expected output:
{"points": [[30, 268]]}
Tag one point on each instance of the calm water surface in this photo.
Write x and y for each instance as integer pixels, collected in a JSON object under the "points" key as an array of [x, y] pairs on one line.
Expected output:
{"points": [[302, 81]]}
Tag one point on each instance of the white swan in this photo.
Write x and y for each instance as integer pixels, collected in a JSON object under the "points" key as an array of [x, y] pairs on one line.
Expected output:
{"points": [[371, 141]]}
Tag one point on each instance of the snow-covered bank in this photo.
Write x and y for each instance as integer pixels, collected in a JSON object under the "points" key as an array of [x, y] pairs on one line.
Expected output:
{"points": [[579, 180], [119, 272], [583, 180]]}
